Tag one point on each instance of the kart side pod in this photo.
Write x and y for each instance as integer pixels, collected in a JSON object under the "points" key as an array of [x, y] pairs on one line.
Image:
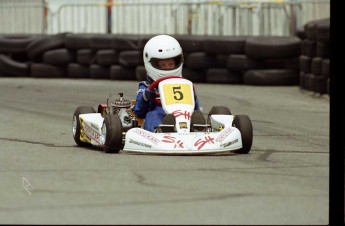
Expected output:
{"points": [[219, 122]]}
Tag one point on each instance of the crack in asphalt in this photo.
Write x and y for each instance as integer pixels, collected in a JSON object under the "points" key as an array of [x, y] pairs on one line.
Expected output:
{"points": [[35, 142], [141, 179], [265, 155], [211, 197]]}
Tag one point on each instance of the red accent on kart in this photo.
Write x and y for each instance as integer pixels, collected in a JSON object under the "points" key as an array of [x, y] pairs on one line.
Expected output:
{"points": [[155, 83], [101, 108]]}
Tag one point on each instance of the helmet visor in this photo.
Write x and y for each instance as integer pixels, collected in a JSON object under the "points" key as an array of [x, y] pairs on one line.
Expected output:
{"points": [[168, 63]]}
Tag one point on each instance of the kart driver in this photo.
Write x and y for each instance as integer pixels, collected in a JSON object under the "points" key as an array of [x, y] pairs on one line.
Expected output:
{"points": [[162, 57]]}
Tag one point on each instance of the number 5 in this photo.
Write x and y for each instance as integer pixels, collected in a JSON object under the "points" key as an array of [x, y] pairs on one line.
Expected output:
{"points": [[178, 95]]}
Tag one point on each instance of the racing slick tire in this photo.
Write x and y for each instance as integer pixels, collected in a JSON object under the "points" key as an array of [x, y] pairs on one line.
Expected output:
{"points": [[244, 125], [76, 124], [112, 133]]}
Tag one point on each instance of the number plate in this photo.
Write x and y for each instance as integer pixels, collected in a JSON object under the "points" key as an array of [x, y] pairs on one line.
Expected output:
{"points": [[177, 94]]}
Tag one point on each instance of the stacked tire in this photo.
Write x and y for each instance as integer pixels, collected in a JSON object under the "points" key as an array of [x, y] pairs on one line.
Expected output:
{"points": [[14, 60], [315, 57], [271, 61], [250, 60]]}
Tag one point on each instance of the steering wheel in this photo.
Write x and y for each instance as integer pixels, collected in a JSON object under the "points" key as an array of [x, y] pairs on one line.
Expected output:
{"points": [[154, 84]]}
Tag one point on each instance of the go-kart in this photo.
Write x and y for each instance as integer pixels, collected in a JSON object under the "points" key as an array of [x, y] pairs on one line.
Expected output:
{"points": [[115, 126]]}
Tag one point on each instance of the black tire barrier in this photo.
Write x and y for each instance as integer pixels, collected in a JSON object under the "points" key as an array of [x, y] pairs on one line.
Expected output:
{"points": [[322, 50], [300, 33], [9, 67], [323, 30], [39, 70], [99, 72], [305, 64], [309, 81], [316, 65], [197, 76], [325, 68], [19, 57], [131, 58], [101, 41], [240, 62], [140, 73], [291, 64], [310, 30], [222, 60], [224, 76], [225, 44], [288, 63], [78, 41], [320, 84], [39, 46], [59, 57], [301, 80], [95, 54], [314, 59], [201, 61], [16, 43], [328, 86], [191, 43], [78, 71], [107, 57], [86, 56], [118, 72], [309, 48], [129, 42], [272, 47], [271, 77]]}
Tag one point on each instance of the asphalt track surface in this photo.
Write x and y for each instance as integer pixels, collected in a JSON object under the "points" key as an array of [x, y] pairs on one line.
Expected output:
{"points": [[47, 179]]}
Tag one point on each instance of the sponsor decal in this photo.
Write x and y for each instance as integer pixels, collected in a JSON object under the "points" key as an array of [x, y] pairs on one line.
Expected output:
{"points": [[179, 113], [200, 143], [91, 133], [140, 143], [94, 126], [146, 135], [229, 143], [172, 140], [224, 134]]}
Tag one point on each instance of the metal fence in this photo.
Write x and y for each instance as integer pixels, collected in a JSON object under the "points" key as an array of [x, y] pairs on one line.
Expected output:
{"points": [[231, 17], [22, 16]]}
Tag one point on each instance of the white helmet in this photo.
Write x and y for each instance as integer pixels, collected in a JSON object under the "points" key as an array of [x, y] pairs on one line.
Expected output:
{"points": [[162, 47]]}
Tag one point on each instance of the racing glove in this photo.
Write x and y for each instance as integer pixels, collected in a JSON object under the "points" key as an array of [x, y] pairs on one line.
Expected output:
{"points": [[149, 95]]}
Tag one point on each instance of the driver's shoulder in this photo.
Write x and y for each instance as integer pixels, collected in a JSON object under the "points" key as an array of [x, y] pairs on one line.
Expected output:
{"points": [[143, 85]]}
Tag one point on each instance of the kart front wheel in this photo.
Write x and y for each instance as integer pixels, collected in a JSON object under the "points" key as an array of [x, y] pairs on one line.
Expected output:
{"points": [[76, 123], [244, 125], [112, 134]]}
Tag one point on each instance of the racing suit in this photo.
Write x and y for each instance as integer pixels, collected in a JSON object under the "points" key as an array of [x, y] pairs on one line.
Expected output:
{"points": [[150, 111]]}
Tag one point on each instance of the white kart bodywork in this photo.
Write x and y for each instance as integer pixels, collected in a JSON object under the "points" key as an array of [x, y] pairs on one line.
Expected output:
{"points": [[221, 137], [183, 141], [140, 140], [91, 125]]}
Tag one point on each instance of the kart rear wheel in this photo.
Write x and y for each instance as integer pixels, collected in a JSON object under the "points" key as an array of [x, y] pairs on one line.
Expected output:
{"points": [[218, 110], [244, 125], [76, 123], [112, 134]]}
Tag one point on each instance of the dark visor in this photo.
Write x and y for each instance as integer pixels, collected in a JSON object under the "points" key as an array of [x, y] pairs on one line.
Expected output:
{"points": [[178, 61]]}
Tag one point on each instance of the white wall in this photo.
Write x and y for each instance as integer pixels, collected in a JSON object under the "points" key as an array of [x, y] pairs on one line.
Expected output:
{"points": [[227, 17]]}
